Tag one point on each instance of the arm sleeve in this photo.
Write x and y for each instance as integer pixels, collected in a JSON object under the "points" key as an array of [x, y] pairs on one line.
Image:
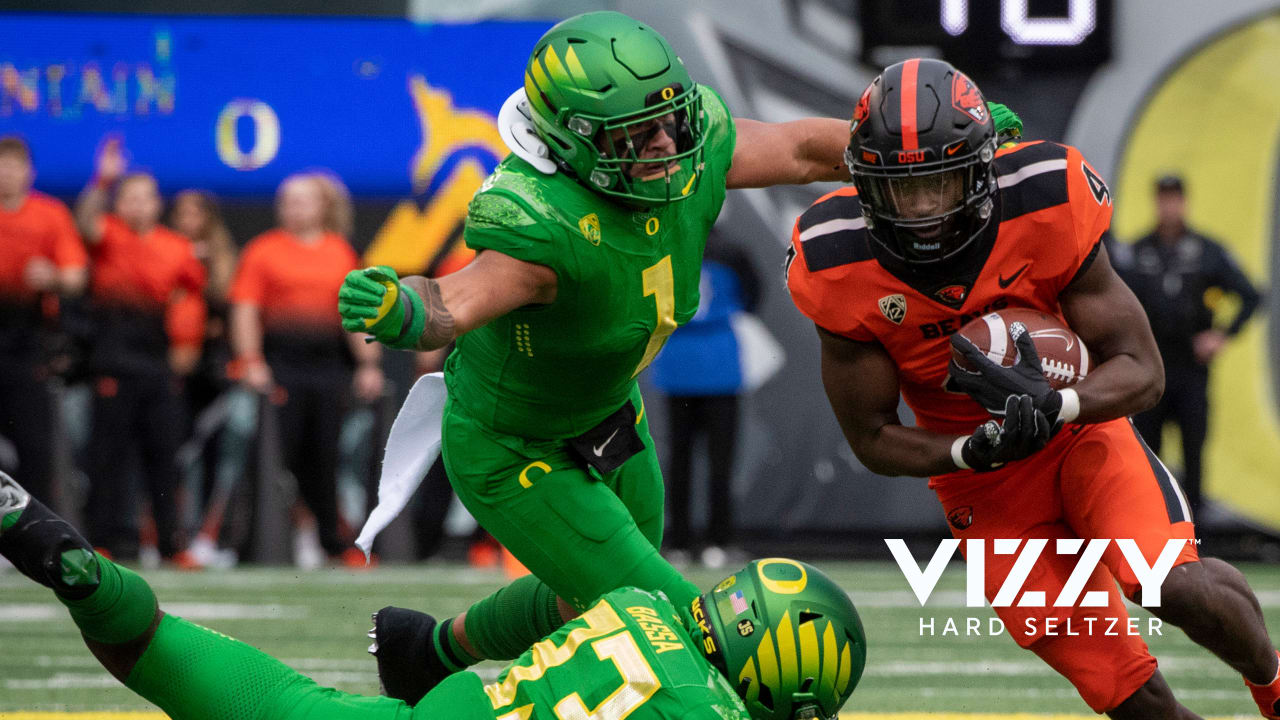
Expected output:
{"points": [[68, 249], [497, 221], [1231, 278], [248, 285]]}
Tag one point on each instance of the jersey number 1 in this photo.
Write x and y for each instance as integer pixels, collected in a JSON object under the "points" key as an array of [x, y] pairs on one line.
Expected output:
{"points": [[659, 281]]}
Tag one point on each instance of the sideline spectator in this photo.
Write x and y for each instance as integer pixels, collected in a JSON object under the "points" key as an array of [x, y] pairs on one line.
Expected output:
{"points": [[196, 215], [701, 373], [41, 258], [288, 341], [146, 287], [1172, 269]]}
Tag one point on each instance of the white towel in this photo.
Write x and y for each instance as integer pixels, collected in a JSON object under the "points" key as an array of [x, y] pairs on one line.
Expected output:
{"points": [[412, 447]]}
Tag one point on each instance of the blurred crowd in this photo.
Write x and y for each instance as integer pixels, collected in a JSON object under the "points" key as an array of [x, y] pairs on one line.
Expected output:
{"points": [[166, 345]]}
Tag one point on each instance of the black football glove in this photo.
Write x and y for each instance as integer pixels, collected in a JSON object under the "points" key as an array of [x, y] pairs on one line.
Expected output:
{"points": [[993, 384], [1024, 431]]}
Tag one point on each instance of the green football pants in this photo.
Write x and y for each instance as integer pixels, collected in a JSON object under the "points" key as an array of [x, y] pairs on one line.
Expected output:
{"points": [[580, 532], [194, 673]]}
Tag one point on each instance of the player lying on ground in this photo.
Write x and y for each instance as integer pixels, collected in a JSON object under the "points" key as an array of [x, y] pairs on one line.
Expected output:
{"points": [[584, 269], [942, 228], [779, 632]]}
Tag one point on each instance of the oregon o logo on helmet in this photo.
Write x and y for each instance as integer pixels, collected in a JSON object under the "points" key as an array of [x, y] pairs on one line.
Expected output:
{"points": [[923, 581], [784, 581]]}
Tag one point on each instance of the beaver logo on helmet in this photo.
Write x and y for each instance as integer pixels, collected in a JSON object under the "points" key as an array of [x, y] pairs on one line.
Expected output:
{"points": [[861, 112], [966, 98]]}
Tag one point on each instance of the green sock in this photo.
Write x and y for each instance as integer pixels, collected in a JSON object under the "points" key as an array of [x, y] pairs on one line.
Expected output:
{"points": [[119, 610], [505, 624], [451, 653]]}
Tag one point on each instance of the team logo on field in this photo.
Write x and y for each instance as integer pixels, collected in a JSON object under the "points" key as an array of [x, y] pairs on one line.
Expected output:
{"points": [[966, 98], [746, 628], [961, 518], [952, 294], [590, 227], [894, 307]]}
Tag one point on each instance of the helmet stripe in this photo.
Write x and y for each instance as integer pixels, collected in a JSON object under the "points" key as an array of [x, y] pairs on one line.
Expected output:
{"points": [[909, 71], [830, 658], [768, 661], [809, 659], [576, 71], [846, 669], [539, 75], [749, 673], [555, 70], [787, 652]]}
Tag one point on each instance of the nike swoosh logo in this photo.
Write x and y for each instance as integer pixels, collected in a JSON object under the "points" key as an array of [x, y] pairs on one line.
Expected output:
{"points": [[599, 449], [953, 150], [1007, 281]]}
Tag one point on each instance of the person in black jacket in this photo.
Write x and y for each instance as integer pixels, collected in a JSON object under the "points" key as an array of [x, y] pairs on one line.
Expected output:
{"points": [[1171, 270]]}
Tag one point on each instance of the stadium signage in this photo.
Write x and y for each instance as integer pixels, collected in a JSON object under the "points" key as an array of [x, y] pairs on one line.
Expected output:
{"points": [[923, 581]]}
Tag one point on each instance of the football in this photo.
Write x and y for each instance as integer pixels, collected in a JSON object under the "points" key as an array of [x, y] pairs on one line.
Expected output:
{"points": [[1064, 359]]}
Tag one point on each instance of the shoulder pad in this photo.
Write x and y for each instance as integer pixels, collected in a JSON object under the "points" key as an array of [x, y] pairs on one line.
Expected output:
{"points": [[1031, 177], [833, 232], [497, 210]]}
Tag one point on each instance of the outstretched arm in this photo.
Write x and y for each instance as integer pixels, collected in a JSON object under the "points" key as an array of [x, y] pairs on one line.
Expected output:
{"points": [[430, 313], [788, 153]]}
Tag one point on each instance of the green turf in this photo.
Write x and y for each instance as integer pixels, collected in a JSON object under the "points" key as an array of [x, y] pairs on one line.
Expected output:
{"points": [[316, 622]]}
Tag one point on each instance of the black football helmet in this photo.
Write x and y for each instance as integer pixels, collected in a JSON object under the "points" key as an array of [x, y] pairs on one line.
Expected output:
{"points": [[920, 152]]}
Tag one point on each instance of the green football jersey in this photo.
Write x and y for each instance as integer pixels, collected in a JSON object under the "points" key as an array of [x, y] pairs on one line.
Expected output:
{"points": [[626, 278], [629, 655]]}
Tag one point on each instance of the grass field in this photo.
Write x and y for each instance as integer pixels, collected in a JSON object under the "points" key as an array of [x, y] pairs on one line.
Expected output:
{"points": [[316, 621]]}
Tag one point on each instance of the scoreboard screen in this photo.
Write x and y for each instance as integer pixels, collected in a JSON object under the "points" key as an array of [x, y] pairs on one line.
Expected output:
{"points": [[981, 35]]}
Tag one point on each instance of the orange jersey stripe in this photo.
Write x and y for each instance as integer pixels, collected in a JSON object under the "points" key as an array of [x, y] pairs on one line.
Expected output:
{"points": [[909, 72]]}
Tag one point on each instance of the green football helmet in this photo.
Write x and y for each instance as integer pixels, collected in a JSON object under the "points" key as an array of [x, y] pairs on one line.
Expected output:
{"points": [[785, 636], [600, 86]]}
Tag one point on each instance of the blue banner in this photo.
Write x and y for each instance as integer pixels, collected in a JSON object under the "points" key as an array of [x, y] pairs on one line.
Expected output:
{"points": [[233, 105]]}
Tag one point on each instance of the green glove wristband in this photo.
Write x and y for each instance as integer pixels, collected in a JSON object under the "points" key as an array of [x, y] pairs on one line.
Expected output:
{"points": [[414, 319]]}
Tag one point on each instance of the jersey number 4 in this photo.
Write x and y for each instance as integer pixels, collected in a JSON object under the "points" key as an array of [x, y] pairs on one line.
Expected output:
{"points": [[659, 281]]}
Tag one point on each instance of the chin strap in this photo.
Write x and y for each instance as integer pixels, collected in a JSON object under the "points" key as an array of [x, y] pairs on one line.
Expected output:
{"points": [[515, 125]]}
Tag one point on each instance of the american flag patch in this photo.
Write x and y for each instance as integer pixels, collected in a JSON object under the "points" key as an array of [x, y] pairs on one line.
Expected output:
{"points": [[739, 602]]}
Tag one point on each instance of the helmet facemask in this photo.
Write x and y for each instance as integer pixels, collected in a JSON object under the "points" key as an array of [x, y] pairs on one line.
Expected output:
{"points": [[624, 169], [927, 213]]}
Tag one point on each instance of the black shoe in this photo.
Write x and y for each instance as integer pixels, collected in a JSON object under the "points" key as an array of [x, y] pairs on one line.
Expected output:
{"points": [[408, 666], [43, 546]]}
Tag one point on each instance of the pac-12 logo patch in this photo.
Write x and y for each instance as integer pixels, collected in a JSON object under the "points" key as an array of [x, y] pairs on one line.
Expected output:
{"points": [[590, 227], [966, 98], [894, 307]]}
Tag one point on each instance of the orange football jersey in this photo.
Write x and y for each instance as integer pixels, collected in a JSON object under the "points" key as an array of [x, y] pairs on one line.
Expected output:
{"points": [[1051, 208]]}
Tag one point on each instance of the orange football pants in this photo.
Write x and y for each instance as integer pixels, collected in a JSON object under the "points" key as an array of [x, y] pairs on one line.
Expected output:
{"points": [[1091, 481]]}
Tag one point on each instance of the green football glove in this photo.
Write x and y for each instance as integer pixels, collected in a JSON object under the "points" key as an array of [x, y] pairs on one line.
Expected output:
{"points": [[1008, 124], [374, 301]]}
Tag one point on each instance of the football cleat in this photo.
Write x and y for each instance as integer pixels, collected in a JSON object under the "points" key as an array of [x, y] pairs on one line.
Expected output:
{"points": [[408, 666], [43, 546]]}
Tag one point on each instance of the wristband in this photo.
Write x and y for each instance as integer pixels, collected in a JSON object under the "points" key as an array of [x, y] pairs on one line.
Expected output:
{"points": [[415, 319], [1070, 405], [957, 453]]}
